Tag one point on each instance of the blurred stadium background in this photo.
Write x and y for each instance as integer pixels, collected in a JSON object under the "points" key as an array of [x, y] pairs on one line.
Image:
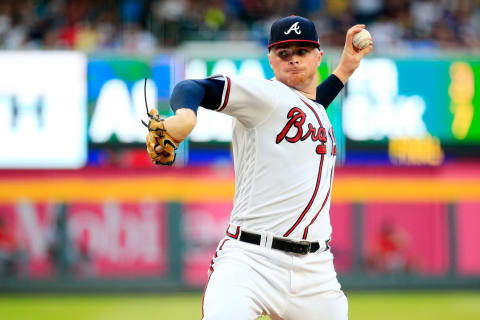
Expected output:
{"points": [[84, 212]]}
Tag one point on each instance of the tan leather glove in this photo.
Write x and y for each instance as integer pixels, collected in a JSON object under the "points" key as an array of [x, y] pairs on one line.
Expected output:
{"points": [[158, 136]]}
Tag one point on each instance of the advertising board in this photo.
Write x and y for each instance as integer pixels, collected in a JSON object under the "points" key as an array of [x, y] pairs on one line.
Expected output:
{"points": [[110, 239], [117, 98], [408, 110], [43, 117]]}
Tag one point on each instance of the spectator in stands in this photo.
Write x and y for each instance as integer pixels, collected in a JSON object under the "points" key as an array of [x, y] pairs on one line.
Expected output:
{"points": [[139, 25], [389, 253]]}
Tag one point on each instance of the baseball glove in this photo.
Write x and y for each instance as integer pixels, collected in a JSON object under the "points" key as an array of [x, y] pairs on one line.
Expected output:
{"points": [[158, 136]]}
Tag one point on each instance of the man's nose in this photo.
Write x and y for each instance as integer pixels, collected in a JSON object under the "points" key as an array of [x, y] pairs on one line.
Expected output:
{"points": [[293, 61]]}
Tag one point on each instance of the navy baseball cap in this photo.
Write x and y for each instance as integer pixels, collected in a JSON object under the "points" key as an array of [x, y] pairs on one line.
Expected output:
{"points": [[293, 29]]}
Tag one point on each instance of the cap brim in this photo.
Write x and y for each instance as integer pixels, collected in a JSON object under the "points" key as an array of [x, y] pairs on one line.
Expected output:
{"points": [[316, 43]]}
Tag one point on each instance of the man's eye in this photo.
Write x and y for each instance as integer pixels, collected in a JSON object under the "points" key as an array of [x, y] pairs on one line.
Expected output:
{"points": [[302, 52], [283, 54]]}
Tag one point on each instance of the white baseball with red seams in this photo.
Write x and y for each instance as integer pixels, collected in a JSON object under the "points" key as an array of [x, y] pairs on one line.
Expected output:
{"points": [[284, 154], [362, 39]]}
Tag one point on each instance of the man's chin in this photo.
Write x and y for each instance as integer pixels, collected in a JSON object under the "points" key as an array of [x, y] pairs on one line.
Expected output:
{"points": [[296, 80]]}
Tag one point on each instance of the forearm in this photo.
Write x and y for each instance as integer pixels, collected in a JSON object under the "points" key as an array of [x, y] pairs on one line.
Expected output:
{"points": [[180, 125], [343, 73]]}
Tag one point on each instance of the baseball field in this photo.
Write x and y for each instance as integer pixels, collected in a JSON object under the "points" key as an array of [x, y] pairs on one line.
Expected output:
{"points": [[458, 305]]}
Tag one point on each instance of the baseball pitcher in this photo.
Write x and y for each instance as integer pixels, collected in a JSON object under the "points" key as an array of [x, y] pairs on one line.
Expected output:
{"points": [[274, 259]]}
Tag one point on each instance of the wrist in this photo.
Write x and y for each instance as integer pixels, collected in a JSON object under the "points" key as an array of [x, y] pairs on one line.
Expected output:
{"points": [[342, 75], [181, 124]]}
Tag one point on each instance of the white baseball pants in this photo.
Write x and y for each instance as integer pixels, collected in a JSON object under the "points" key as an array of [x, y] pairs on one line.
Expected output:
{"points": [[247, 281]]}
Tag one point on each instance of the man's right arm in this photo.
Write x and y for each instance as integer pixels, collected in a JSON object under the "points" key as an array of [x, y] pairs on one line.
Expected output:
{"points": [[194, 93], [248, 100], [186, 97]]}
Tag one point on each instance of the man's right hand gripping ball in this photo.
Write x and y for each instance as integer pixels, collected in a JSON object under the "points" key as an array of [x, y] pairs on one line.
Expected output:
{"points": [[160, 145]]}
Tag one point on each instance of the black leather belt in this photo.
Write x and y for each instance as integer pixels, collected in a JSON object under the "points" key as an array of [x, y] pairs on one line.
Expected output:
{"points": [[300, 247]]}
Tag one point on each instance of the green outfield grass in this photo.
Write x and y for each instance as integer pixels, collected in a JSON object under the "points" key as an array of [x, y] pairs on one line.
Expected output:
{"points": [[449, 305]]}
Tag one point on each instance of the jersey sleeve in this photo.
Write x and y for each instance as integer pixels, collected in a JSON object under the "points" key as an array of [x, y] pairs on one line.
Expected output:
{"points": [[250, 100]]}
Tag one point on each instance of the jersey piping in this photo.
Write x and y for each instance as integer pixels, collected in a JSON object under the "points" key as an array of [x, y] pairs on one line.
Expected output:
{"points": [[305, 232], [227, 95], [319, 178], [307, 208]]}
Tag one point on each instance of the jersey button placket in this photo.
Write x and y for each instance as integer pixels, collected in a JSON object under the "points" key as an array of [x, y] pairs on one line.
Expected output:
{"points": [[321, 149]]}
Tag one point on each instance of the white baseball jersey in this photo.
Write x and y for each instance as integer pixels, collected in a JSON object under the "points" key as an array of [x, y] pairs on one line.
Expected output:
{"points": [[284, 155]]}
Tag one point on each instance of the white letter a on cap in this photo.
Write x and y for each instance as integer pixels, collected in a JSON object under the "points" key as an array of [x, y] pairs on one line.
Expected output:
{"points": [[294, 28]]}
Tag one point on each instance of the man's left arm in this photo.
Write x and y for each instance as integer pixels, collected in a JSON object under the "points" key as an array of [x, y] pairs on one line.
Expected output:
{"points": [[351, 56], [349, 62], [328, 90]]}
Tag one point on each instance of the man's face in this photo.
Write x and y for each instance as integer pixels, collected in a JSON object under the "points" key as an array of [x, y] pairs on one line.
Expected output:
{"points": [[295, 63]]}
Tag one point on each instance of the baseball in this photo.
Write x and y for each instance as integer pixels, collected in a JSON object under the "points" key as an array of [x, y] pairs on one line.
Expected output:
{"points": [[362, 39]]}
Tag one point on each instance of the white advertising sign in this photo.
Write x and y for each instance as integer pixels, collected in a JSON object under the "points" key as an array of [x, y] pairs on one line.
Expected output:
{"points": [[114, 99], [43, 113]]}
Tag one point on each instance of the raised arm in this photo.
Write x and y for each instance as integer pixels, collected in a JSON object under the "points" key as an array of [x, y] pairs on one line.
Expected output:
{"points": [[350, 60], [351, 56]]}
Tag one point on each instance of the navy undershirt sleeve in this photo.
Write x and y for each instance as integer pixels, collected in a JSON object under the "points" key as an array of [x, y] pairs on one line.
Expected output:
{"points": [[194, 93], [328, 90], [208, 93]]}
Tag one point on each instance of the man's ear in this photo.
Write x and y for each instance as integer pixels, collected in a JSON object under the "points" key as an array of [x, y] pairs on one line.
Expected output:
{"points": [[320, 56], [269, 55]]}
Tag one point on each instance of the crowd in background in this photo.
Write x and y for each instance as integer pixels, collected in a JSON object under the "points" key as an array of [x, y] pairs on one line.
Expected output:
{"points": [[143, 25]]}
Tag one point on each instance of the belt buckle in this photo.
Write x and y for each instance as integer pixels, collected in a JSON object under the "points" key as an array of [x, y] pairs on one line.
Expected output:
{"points": [[306, 247]]}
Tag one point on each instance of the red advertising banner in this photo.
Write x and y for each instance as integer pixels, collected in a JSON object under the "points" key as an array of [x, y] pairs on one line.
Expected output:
{"points": [[110, 239], [468, 238], [27, 239], [204, 226], [119, 239], [341, 219], [406, 237]]}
